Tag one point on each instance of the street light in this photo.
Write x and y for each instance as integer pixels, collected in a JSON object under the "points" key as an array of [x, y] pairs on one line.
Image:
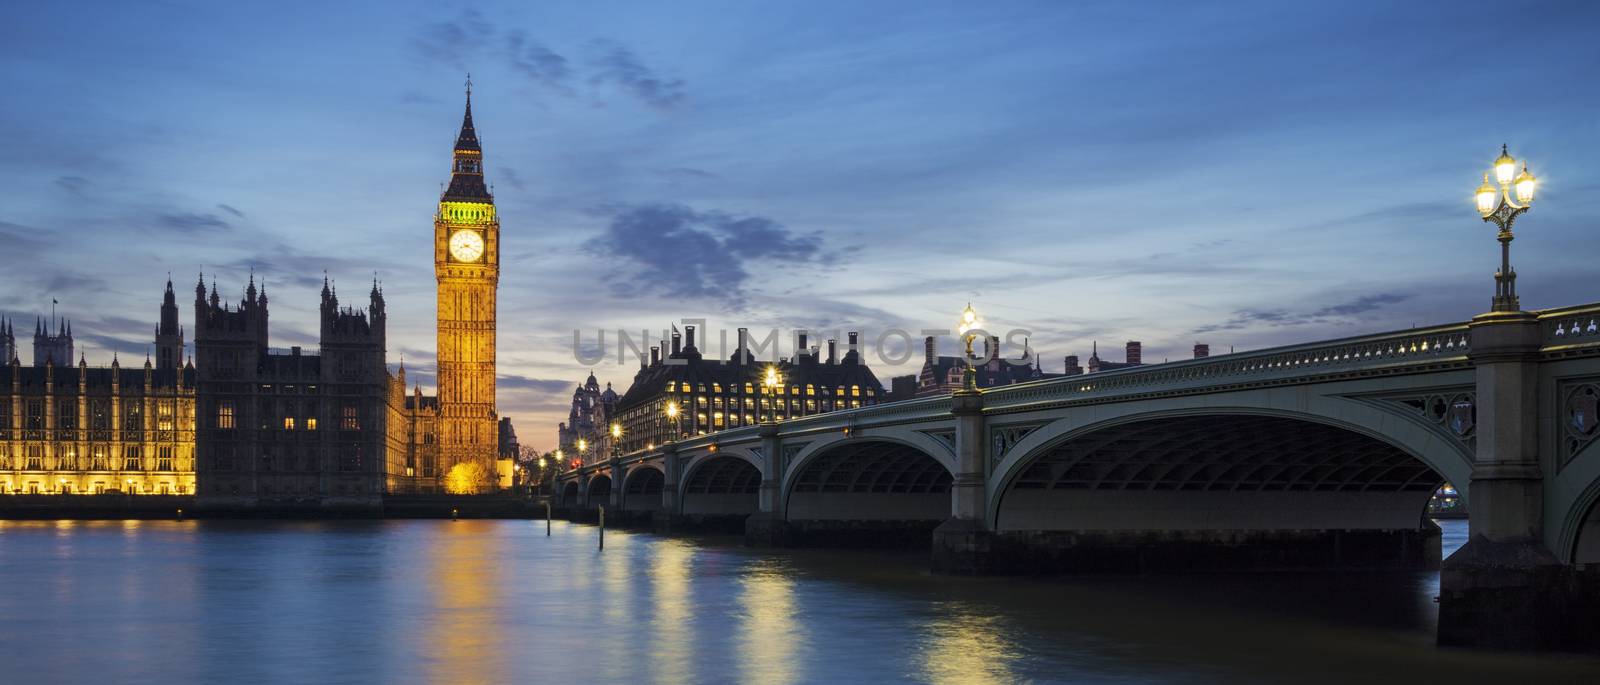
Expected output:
{"points": [[672, 417], [616, 438], [1502, 207], [770, 383], [967, 326]]}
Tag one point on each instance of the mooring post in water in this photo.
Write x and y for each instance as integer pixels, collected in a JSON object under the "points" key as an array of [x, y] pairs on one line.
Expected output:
{"points": [[602, 527], [455, 514], [547, 518], [180, 513]]}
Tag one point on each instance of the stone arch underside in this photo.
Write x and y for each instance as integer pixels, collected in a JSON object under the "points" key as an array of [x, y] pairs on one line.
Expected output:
{"points": [[642, 487], [599, 490], [722, 485], [570, 494], [870, 480], [1218, 473]]}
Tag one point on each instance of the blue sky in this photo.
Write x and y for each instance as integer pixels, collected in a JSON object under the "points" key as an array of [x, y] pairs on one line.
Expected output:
{"points": [[1241, 174]]}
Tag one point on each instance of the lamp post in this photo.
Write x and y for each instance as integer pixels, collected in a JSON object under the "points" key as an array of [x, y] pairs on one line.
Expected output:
{"points": [[771, 381], [967, 327], [1501, 207], [616, 439], [583, 450], [672, 419]]}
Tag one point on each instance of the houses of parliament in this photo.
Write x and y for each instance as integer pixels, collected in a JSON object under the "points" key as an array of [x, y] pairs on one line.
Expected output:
{"points": [[243, 425]]}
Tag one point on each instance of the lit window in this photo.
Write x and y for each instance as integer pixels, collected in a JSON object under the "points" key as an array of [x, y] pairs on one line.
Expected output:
{"points": [[348, 419], [855, 391], [225, 414], [311, 424], [288, 423]]}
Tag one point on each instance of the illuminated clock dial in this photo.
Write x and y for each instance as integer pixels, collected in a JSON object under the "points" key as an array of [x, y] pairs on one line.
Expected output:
{"points": [[466, 246]]}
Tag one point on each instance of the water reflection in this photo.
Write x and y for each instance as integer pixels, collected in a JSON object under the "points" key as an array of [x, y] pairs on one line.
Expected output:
{"points": [[770, 636], [672, 642], [467, 643], [964, 646]]}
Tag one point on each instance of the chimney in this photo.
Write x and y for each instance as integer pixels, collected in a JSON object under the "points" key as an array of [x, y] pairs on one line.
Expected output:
{"points": [[928, 348], [1072, 367], [741, 352], [688, 342], [677, 342], [833, 351], [800, 347], [1201, 350], [1135, 352], [655, 355], [993, 353]]}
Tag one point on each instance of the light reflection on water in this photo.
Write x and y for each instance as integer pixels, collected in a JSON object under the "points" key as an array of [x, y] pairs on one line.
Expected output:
{"points": [[499, 602]]}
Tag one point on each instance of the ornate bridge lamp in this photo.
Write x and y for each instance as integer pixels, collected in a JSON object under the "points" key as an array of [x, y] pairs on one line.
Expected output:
{"points": [[1501, 209], [771, 384], [967, 328], [616, 439], [583, 450]]}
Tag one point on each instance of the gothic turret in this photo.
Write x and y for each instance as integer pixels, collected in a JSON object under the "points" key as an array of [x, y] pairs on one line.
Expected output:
{"points": [[169, 334]]}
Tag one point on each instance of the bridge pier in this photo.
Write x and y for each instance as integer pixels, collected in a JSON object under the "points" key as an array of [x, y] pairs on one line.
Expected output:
{"points": [[769, 526], [964, 544], [1504, 588]]}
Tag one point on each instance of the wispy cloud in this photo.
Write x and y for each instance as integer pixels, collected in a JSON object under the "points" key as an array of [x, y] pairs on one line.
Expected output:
{"points": [[618, 66], [1248, 318]]}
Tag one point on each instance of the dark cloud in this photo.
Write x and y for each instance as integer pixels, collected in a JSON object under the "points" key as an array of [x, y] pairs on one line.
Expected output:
{"points": [[231, 210], [515, 382], [74, 185], [618, 66], [680, 252], [1246, 318], [511, 176], [684, 174], [191, 222], [540, 64], [453, 43]]}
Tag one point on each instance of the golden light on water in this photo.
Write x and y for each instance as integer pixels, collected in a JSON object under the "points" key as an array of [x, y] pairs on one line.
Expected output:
{"points": [[466, 640], [672, 646], [964, 647], [771, 637]]}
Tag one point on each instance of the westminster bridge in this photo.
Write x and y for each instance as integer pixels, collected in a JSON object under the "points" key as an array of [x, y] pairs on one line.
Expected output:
{"points": [[1315, 455]]}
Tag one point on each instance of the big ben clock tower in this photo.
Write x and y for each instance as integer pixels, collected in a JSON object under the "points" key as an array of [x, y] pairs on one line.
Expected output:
{"points": [[466, 262]]}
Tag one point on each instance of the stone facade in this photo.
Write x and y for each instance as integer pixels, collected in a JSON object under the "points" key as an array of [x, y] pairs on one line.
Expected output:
{"points": [[75, 429]]}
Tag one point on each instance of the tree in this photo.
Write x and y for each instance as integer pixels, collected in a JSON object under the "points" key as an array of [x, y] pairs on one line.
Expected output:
{"points": [[468, 478]]}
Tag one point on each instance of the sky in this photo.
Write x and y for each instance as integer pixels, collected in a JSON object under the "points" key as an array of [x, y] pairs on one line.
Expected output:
{"points": [[1243, 174]]}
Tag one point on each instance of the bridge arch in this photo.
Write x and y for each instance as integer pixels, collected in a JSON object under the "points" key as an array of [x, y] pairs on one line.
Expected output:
{"points": [[908, 436], [1245, 468], [599, 490], [720, 484], [1572, 524], [642, 485], [870, 478], [571, 495]]}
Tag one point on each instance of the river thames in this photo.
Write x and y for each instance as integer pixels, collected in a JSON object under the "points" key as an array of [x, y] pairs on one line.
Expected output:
{"points": [[499, 602]]}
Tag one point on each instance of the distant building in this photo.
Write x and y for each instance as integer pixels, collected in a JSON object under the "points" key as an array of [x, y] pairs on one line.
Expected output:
{"points": [[75, 429], [589, 419], [716, 394], [509, 447], [941, 375]]}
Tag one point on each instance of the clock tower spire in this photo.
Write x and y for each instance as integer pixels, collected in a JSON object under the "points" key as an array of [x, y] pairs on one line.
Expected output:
{"points": [[466, 264]]}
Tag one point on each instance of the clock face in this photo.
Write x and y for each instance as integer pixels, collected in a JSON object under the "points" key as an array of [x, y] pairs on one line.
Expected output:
{"points": [[466, 246]]}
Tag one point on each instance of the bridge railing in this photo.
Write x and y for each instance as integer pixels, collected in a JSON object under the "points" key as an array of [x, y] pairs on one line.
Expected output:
{"points": [[1570, 327], [1415, 347]]}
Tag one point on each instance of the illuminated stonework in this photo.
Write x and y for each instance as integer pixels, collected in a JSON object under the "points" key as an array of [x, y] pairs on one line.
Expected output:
{"points": [[466, 232], [73, 430]]}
